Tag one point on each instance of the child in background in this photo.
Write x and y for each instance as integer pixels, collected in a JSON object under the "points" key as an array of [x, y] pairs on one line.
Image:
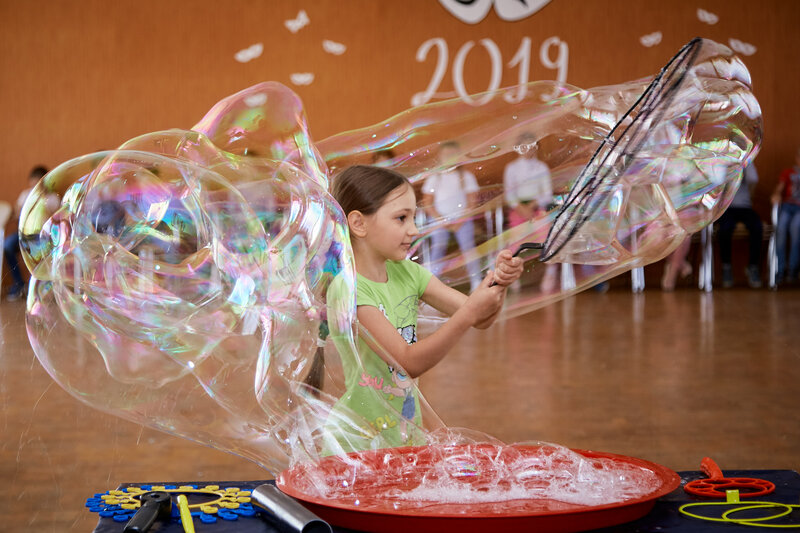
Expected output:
{"points": [[380, 205], [447, 197], [741, 210], [528, 192], [382, 156], [527, 187]]}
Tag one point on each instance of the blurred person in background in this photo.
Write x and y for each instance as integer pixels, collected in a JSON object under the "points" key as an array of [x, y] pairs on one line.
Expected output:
{"points": [[11, 243], [741, 210], [787, 195]]}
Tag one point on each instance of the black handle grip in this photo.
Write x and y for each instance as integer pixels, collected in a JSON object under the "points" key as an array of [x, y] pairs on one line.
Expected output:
{"points": [[528, 246], [154, 505], [522, 247]]}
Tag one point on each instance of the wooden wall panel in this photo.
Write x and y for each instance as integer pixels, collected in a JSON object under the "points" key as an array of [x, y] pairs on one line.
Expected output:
{"points": [[79, 76]]}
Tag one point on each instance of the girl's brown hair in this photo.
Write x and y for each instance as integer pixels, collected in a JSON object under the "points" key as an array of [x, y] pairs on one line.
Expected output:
{"points": [[364, 188], [357, 188]]}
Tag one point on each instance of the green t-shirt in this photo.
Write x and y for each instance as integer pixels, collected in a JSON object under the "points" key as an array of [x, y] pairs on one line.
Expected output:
{"points": [[384, 398]]}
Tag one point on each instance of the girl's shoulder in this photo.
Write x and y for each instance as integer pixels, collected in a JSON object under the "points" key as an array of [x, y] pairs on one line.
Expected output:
{"points": [[408, 271], [406, 265]]}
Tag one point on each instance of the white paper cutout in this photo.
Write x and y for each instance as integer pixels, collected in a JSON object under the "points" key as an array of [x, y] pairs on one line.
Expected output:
{"points": [[470, 12], [707, 16], [512, 10], [332, 47], [302, 78], [651, 39], [298, 23], [474, 11], [249, 53], [742, 47], [255, 100]]}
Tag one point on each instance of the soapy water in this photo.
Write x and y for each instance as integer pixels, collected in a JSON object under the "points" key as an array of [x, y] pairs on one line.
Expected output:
{"points": [[474, 478], [182, 281]]}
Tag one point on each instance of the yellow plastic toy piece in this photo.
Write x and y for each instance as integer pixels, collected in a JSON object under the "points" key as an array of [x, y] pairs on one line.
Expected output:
{"points": [[227, 498], [186, 514], [732, 499]]}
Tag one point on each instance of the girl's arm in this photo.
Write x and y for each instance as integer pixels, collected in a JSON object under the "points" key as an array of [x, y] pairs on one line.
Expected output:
{"points": [[489, 320], [428, 207], [479, 310], [418, 357], [508, 269], [444, 299], [448, 300]]}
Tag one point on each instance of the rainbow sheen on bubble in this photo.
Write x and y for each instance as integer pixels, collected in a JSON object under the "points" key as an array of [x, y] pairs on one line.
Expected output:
{"points": [[680, 180], [182, 281]]}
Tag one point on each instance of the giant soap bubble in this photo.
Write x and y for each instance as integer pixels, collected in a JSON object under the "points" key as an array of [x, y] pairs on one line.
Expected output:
{"points": [[184, 281], [670, 161]]}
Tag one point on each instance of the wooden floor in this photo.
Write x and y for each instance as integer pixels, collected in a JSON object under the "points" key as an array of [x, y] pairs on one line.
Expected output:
{"points": [[666, 377]]}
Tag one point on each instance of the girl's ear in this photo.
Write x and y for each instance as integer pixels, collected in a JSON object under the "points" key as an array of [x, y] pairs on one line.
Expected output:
{"points": [[358, 223]]}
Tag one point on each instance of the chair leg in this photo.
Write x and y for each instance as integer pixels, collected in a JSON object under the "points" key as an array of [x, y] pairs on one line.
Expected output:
{"points": [[637, 280], [707, 260], [772, 251], [567, 277]]}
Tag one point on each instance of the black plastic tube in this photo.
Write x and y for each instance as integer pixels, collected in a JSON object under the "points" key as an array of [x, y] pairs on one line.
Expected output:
{"points": [[288, 513]]}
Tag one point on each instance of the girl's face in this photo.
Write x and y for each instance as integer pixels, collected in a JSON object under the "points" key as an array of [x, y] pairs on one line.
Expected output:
{"points": [[391, 229]]}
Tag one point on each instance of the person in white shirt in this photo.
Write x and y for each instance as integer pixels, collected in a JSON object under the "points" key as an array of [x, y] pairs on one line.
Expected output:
{"points": [[526, 183], [528, 191], [448, 197]]}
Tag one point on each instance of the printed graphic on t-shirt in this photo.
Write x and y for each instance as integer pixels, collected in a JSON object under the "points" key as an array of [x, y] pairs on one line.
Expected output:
{"points": [[406, 312]]}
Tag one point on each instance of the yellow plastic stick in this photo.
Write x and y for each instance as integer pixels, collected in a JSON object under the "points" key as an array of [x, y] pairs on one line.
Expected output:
{"points": [[186, 514]]}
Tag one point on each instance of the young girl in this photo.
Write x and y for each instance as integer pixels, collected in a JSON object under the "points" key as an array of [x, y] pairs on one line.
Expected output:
{"points": [[380, 205]]}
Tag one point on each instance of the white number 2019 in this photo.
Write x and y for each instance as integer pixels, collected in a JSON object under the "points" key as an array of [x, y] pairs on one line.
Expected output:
{"points": [[522, 60]]}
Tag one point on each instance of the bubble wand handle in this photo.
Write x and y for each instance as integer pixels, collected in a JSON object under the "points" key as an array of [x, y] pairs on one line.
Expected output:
{"points": [[710, 468], [522, 247]]}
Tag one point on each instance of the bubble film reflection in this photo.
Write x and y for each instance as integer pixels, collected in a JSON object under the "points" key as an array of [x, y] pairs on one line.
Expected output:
{"points": [[683, 163], [201, 281]]}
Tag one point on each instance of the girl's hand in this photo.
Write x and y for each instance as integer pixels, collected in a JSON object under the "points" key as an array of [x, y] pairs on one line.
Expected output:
{"points": [[485, 301], [508, 269]]}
